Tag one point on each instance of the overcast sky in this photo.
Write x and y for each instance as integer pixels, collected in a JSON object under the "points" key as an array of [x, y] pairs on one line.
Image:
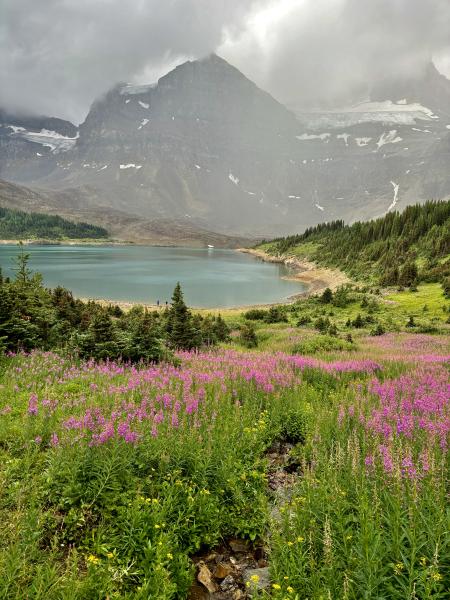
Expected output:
{"points": [[56, 56]]}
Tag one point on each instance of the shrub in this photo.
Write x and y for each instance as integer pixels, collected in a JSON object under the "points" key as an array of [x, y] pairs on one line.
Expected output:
{"points": [[248, 337], [322, 343], [255, 314]]}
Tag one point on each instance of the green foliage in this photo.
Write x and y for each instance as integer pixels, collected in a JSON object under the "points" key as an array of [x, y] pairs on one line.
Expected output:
{"points": [[179, 327], [327, 296], [322, 343], [247, 335], [388, 249], [446, 287], [255, 314], [15, 224], [32, 316]]}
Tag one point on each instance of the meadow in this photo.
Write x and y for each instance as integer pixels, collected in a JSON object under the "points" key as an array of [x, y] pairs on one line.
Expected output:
{"points": [[327, 467]]}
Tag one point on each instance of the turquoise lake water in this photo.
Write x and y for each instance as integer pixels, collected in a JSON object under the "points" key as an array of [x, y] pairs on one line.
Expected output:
{"points": [[209, 277]]}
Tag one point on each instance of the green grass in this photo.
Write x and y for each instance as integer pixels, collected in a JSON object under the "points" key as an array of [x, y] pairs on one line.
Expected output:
{"points": [[429, 295]]}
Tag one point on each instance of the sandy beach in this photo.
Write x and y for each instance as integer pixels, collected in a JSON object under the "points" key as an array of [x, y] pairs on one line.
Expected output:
{"points": [[316, 278]]}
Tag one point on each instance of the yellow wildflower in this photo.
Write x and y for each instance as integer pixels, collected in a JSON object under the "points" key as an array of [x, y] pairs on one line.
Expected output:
{"points": [[398, 568], [276, 586], [436, 576], [93, 559], [254, 578], [290, 589], [169, 555]]}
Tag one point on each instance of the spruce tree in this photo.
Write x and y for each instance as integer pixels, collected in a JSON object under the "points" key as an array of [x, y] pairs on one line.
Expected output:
{"points": [[101, 342], [180, 332], [145, 341]]}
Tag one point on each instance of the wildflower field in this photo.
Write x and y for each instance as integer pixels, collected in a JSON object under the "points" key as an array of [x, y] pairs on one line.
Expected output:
{"points": [[114, 477]]}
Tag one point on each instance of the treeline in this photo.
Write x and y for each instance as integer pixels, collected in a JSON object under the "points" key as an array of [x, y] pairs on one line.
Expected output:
{"points": [[32, 316], [16, 224], [397, 249]]}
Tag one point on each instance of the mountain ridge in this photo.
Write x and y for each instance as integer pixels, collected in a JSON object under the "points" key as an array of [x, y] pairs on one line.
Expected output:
{"points": [[206, 146]]}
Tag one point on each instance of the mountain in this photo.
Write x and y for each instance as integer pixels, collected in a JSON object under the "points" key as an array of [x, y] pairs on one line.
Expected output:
{"points": [[73, 204], [206, 148]]}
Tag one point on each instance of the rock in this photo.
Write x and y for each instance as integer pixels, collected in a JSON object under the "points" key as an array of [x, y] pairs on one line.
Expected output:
{"points": [[238, 595], [257, 578], [222, 570], [228, 584], [198, 592], [238, 545], [205, 578], [262, 562]]}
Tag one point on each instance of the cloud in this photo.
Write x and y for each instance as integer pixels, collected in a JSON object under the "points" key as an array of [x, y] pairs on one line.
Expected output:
{"points": [[57, 56], [314, 51]]}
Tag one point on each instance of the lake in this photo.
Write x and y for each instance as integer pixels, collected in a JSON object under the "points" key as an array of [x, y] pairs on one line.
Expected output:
{"points": [[209, 277]]}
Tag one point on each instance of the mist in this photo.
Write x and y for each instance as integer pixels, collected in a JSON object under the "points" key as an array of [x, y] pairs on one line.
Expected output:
{"points": [[57, 57]]}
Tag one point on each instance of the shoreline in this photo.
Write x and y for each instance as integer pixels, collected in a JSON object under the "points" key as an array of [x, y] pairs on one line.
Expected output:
{"points": [[68, 242], [316, 278]]}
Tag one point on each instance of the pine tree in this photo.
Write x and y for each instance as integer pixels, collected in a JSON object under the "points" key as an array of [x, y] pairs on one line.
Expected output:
{"points": [[180, 332], [248, 337], [101, 342], [221, 329], [145, 341], [327, 296]]}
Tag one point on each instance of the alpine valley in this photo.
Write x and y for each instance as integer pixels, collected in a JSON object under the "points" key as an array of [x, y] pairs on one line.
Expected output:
{"points": [[205, 156]]}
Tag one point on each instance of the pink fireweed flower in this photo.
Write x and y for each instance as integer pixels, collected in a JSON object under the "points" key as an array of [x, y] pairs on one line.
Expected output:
{"points": [[33, 405], [369, 461]]}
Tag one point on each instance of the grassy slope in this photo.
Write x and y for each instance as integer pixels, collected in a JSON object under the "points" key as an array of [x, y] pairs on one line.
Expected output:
{"points": [[366, 250], [121, 520]]}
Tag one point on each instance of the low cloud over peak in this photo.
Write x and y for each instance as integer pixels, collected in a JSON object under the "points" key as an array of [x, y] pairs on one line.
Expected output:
{"points": [[56, 57]]}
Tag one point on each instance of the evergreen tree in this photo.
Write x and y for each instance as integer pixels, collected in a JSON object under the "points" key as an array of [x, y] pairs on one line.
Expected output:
{"points": [[100, 341], [180, 331], [408, 274], [221, 329], [145, 341], [248, 337], [327, 296]]}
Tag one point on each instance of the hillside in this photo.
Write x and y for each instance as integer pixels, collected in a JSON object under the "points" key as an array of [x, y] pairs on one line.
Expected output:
{"points": [[78, 205], [16, 224], [399, 248]]}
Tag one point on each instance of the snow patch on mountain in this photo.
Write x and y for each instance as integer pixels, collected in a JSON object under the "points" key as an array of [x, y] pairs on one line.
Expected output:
{"points": [[398, 113], [319, 207], [394, 201], [388, 138], [343, 136], [143, 104], [313, 136], [130, 166], [50, 139], [143, 123], [362, 141], [131, 90], [234, 179]]}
